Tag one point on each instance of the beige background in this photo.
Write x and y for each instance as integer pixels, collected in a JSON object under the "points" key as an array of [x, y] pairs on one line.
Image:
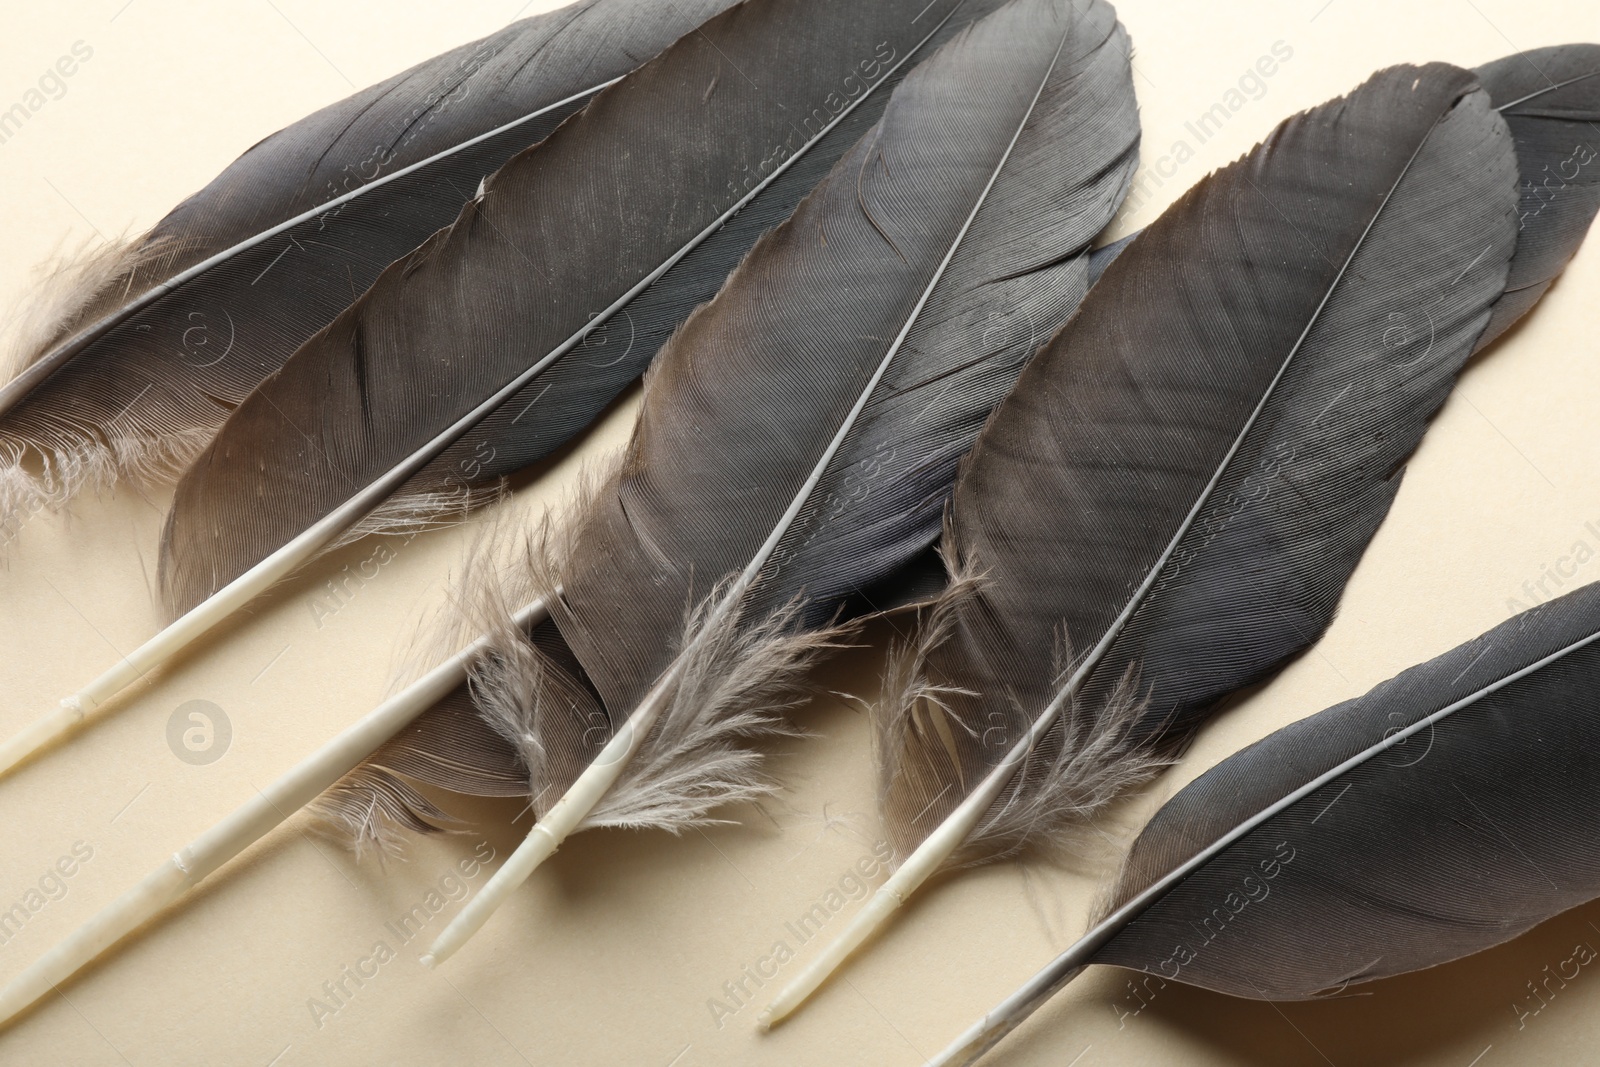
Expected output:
{"points": [[612, 954]]}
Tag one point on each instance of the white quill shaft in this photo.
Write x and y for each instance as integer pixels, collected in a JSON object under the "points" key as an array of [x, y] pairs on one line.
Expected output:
{"points": [[248, 824], [942, 843]]}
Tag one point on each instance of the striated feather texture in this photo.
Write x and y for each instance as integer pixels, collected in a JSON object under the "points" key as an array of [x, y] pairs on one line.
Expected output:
{"points": [[1171, 500], [800, 434], [144, 348], [1449, 809], [921, 579], [423, 371]]}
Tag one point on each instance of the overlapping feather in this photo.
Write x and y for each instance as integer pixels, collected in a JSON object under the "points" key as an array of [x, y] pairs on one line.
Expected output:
{"points": [[507, 332], [649, 177], [1451, 808], [1183, 481], [1168, 504], [135, 354]]}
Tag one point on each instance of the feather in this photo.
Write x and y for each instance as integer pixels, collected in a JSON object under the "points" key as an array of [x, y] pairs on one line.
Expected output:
{"points": [[508, 331], [139, 351], [1446, 811], [512, 284], [1170, 501], [799, 435]]}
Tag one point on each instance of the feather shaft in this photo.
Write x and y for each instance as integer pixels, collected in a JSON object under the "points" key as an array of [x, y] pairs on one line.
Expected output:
{"points": [[560, 822], [138, 355], [250, 822], [19, 388], [1091, 187], [1548, 98]]}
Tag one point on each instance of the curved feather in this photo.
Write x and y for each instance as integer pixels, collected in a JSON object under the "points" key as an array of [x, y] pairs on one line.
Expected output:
{"points": [[1183, 481], [163, 337], [802, 431], [575, 299], [1478, 766]]}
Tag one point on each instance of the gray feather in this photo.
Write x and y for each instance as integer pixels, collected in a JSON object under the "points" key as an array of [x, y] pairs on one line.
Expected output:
{"points": [[642, 176], [151, 347], [1550, 98], [1182, 482], [1477, 768], [1432, 817]]}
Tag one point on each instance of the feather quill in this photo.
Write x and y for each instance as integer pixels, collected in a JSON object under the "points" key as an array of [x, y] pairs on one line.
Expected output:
{"points": [[1171, 500], [138, 354], [505, 333], [800, 433]]}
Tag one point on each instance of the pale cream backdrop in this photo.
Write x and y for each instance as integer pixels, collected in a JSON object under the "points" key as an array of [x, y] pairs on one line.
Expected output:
{"points": [[614, 953]]}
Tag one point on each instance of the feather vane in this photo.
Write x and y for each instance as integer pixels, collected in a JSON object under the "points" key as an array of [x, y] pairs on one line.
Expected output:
{"points": [[472, 356], [663, 532], [1434, 750]]}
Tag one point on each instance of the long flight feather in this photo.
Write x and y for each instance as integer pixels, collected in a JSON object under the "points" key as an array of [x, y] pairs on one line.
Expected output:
{"points": [[450, 748], [139, 353], [508, 331], [1518, 672], [800, 433], [1171, 500]]}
